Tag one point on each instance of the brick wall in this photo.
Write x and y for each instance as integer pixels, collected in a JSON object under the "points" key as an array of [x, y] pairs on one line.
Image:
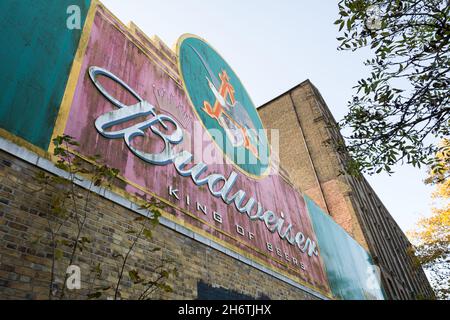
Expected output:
{"points": [[26, 253]]}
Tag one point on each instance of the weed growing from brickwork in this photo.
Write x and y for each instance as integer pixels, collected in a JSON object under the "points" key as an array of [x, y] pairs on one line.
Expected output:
{"points": [[68, 205]]}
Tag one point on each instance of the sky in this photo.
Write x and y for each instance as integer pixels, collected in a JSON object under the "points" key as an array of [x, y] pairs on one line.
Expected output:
{"points": [[273, 46]]}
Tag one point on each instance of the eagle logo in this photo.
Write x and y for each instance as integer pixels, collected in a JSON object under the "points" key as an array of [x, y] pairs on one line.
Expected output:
{"points": [[229, 113], [220, 101]]}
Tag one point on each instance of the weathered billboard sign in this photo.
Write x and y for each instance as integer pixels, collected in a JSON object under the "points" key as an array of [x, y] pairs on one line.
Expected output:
{"points": [[129, 109], [181, 128]]}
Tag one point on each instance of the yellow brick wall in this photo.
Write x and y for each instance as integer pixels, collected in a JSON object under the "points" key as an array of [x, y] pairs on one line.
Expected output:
{"points": [[26, 255]]}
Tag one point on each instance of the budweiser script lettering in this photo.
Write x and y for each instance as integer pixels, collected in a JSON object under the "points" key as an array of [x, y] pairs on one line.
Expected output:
{"points": [[125, 113]]}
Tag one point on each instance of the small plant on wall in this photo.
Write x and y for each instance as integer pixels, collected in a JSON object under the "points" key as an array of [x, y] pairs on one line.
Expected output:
{"points": [[72, 239], [141, 230]]}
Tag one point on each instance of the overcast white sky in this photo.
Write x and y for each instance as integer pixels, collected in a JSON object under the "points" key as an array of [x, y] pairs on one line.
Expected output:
{"points": [[273, 46]]}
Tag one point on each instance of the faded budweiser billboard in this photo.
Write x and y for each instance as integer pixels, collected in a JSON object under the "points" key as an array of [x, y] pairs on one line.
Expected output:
{"points": [[181, 128]]}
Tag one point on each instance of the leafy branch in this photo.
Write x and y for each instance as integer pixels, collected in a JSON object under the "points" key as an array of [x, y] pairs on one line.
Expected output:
{"points": [[143, 231], [402, 108]]}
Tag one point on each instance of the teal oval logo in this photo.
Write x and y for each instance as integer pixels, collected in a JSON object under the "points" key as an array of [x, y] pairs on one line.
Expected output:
{"points": [[223, 106]]}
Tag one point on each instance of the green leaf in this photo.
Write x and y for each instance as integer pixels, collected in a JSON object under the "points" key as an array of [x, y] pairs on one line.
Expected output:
{"points": [[147, 233], [164, 273], [58, 254], [94, 295], [134, 276], [67, 243], [97, 269], [85, 240]]}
